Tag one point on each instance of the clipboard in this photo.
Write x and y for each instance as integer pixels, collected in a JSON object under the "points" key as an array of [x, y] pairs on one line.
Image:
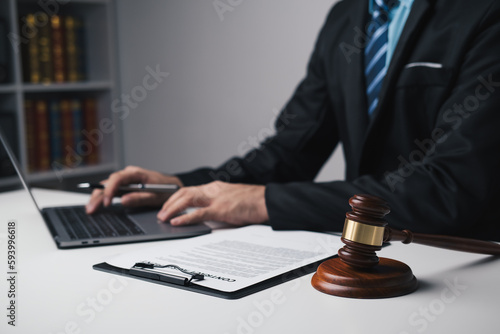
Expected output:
{"points": [[228, 264], [266, 284]]}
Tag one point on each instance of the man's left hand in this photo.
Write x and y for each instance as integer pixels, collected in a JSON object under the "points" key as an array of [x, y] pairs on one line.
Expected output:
{"points": [[236, 204]]}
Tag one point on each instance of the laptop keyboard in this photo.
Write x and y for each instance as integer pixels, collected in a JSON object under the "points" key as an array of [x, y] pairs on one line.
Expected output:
{"points": [[79, 225]]}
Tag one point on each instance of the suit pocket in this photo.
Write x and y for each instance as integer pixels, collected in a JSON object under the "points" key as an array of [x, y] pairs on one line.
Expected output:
{"points": [[424, 64], [424, 74]]}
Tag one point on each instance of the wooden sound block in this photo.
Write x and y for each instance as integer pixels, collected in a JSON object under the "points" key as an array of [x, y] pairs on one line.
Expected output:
{"points": [[390, 278]]}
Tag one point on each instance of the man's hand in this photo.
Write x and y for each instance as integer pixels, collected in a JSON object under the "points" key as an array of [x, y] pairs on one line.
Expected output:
{"points": [[126, 176], [237, 204]]}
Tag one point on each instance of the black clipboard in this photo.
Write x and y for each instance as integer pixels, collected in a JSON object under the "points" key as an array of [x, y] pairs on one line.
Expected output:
{"points": [[193, 287]]}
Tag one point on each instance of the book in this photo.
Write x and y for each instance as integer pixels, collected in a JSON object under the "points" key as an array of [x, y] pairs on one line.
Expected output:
{"points": [[58, 48], [74, 48], [45, 49], [56, 143], [42, 136], [77, 128], [30, 133], [31, 55], [66, 131]]}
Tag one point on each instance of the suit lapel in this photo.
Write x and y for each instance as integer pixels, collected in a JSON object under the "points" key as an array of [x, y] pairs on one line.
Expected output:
{"points": [[356, 117]]}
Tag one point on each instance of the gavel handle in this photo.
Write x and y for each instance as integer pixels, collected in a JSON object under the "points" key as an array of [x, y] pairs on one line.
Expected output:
{"points": [[441, 241]]}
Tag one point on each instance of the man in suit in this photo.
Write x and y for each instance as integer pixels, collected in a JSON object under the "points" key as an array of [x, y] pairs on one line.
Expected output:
{"points": [[426, 142]]}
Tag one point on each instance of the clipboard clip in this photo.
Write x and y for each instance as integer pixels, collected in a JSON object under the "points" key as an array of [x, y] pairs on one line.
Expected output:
{"points": [[147, 270]]}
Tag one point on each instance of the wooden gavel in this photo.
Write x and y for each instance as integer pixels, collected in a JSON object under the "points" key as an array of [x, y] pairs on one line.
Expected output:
{"points": [[359, 273]]}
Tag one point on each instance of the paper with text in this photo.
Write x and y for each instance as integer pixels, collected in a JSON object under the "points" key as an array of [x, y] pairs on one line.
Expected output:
{"points": [[237, 258]]}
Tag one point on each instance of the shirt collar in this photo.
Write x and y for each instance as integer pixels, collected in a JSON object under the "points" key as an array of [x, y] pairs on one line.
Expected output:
{"points": [[403, 3]]}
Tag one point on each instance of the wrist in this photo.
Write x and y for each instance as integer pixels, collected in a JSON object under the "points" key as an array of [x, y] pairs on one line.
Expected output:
{"points": [[261, 205]]}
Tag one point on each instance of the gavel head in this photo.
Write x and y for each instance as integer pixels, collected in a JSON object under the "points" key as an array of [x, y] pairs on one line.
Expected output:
{"points": [[364, 229], [357, 273]]}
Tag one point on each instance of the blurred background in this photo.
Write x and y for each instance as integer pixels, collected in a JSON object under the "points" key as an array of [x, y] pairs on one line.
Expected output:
{"points": [[231, 69]]}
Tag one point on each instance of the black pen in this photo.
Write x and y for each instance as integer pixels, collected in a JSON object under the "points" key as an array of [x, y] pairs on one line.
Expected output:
{"points": [[153, 188]]}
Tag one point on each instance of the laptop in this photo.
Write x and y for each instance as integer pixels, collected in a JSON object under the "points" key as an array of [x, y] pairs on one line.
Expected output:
{"points": [[71, 227]]}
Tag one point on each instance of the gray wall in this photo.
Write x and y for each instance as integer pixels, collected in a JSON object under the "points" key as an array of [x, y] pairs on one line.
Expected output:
{"points": [[230, 72]]}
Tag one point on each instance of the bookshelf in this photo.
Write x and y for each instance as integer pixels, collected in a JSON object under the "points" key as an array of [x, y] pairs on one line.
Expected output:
{"points": [[57, 85]]}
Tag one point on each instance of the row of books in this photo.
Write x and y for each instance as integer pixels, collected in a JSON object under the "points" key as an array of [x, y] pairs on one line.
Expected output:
{"points": [[57, 133], [54, 49]]}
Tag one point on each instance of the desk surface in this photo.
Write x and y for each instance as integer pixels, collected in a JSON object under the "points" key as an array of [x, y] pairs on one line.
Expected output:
{"points": [[59, 292]]}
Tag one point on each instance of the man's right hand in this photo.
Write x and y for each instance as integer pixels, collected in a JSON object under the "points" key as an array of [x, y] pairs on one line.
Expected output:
{"points": [[129, 175]]}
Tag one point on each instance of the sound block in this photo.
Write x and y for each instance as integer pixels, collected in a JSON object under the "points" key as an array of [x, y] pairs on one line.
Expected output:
{"points": [[390, 278]]}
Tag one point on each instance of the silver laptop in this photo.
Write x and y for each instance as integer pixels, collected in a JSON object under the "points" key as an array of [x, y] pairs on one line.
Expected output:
{"points": [[71, 227]]}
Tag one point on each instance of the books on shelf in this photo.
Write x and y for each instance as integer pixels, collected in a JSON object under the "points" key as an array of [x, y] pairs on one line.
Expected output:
{"points": [[55, 131], [55, 49], [55, 70]]}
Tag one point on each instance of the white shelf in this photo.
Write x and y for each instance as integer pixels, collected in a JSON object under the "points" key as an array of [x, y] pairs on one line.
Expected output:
{"points": [[67, 87], [8, 88]]}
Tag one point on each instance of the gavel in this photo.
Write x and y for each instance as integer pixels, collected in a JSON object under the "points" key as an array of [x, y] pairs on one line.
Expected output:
{"points": [[359, 273]]}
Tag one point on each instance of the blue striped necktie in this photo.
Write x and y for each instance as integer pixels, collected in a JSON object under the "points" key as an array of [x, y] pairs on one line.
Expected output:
{"points": [[376, 52]]}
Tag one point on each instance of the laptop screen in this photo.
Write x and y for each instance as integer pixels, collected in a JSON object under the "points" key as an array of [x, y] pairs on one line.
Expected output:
{"points": [[11, 175]]}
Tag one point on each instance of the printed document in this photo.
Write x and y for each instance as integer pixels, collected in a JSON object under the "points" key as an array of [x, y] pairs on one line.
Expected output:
{"points": [[237, 258]]}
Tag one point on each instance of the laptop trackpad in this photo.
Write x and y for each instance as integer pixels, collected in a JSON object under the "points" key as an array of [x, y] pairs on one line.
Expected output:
{"points": [[151, 225]]}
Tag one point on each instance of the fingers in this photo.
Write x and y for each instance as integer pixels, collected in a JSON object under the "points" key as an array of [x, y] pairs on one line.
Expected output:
{"points": [[236, 204], [128, 175], [181, 200], [198, 216], [95, 201]]}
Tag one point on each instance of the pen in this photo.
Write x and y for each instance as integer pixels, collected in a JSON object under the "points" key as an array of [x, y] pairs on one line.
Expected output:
{"points": [[154, 188]]}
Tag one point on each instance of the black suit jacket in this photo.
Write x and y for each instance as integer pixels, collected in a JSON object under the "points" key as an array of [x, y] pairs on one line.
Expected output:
{"points": [[431, 149]]}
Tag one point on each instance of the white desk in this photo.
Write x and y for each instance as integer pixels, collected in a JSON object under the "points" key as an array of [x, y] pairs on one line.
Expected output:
{"points": [[59, 292]]}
